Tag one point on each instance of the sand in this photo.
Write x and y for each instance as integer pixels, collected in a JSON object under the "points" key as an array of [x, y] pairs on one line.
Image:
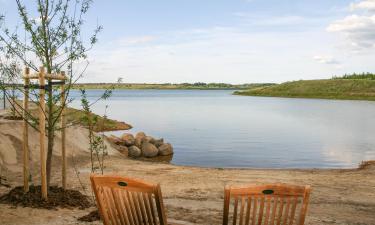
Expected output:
{"points": [[191, 195]]}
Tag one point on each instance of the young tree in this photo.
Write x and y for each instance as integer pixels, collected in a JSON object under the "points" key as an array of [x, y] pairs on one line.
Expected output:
{"points": [[50, 36], [98, 149]]}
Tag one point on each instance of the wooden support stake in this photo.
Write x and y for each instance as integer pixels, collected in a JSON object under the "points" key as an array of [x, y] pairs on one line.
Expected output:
{"points": [[42, 127], [53, 76], [4, 98], [63, 152], [26, 173]]}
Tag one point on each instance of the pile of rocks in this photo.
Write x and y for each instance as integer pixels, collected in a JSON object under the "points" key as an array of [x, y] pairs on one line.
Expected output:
{"points": [[141, 145]]}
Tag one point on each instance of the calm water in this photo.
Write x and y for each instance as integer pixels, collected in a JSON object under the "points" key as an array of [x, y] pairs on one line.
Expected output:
{"points": [[217, 129]]}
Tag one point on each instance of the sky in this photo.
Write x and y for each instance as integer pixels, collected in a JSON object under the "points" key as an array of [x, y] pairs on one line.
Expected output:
{"points": [[231, 41]]}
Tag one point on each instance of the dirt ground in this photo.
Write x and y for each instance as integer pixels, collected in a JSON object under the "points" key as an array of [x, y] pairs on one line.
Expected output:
{"points": [[195, 195], [192, 195]]}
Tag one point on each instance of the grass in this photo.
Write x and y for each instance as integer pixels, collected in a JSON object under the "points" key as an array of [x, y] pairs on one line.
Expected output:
{"points": [[349, 89], [75, 116]]}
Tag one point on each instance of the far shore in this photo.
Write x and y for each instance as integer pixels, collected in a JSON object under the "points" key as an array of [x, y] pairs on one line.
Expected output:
{"points": [[170, 86], [330, 89], [337, 89]]}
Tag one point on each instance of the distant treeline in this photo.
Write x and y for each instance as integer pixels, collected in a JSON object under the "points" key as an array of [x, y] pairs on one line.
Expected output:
{"points": [[197, 85], [355, 76]]}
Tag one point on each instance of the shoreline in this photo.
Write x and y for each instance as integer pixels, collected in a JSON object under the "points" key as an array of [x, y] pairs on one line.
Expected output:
{"points": [[170, 86], [336, 89], [192, 195], [243, 93], [167, 89], [359, 167], [306, 97]]}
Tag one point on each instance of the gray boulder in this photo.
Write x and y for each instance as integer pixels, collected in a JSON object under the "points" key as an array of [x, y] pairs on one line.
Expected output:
{"points": [[158, 142], [165, 149], [148, 139], [134, 151], [128, 139], [149, 150], [115, 140], [138, 139], [140, 135]]}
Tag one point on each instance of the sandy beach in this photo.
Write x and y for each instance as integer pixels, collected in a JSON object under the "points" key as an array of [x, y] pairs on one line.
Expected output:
{"points": [[191, 195]]}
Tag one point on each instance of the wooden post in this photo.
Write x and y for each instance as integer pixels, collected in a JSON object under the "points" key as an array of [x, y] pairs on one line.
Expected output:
{"points": [[63, 152], [26, 173], [4, 98], [42, 127]]}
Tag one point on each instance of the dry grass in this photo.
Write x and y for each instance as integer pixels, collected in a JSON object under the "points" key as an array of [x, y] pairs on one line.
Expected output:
{"points": [[76, 117], [366, 164]]}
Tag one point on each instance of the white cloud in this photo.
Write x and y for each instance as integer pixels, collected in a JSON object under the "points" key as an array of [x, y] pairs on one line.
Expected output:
{"points": [[325, 59], [358, 29], [242, 52], [366, 5], [217, 54]]}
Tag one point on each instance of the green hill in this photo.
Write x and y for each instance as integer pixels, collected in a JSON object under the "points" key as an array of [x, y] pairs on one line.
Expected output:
{"points": [[355, 89]]}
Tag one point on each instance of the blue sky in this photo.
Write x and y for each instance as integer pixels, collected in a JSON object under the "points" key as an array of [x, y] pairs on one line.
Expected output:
{"points": [[234, 41]]}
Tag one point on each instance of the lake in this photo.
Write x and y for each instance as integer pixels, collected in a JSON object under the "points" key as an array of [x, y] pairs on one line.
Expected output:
{"points": [[217, 129]]}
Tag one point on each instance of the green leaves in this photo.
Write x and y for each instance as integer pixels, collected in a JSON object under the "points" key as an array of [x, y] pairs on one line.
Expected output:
{"points": [[98, 149], [51, 36], [355, 76]]}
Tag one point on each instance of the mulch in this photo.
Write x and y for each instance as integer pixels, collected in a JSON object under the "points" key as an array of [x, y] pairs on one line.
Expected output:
{"points": [[91, 217], [57, 198], [3, 182], [13, 117]]}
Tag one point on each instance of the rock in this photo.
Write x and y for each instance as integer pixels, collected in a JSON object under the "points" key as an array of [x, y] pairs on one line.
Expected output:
{"points": [[148, 139], [149, 150], [123, 150], [158, 142], [138, 142], [128, 139], [166, 149], [134, 151], [138, 139], [140, 135], [115, 140]]}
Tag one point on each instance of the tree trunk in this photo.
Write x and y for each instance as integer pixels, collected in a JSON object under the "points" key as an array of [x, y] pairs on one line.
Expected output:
{"points": [[50, 144], [50, 136]]}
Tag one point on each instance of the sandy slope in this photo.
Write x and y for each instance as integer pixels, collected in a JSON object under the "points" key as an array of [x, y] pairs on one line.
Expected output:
{"points": [[11, 143], [192, 195]]}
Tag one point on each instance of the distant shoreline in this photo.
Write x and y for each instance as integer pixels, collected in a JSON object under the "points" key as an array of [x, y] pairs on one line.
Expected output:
{"points": [[336, 89], [169, 86]]}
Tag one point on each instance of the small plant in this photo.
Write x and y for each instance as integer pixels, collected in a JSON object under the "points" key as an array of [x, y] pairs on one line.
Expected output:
{"points": [[98, 149]]}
